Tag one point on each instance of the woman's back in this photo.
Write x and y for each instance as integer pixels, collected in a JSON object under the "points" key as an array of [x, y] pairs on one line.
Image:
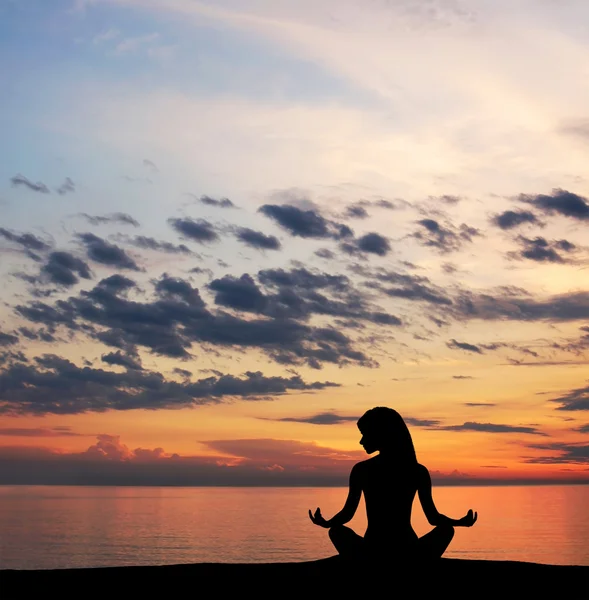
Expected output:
{"points": [[389, 490]]}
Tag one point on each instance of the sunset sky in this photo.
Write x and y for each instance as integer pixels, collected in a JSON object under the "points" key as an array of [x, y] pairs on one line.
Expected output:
{"points": [[230, 227]]}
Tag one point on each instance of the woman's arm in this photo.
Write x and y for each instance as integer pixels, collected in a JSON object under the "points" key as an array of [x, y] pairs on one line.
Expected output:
{"points": [[432, 514], [349, 509]]}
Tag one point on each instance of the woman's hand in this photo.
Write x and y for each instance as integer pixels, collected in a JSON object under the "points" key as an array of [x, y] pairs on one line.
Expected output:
{"points": [[318, 519], [468, 520]]}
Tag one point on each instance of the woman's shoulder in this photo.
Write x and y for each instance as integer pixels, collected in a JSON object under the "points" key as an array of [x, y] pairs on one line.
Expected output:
{"points": [[422, 472]]}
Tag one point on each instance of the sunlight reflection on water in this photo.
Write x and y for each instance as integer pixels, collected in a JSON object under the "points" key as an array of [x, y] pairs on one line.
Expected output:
{"points": [[59, 527]]}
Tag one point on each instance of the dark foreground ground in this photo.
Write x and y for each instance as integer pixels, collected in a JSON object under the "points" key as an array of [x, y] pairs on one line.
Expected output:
{"points": [[446, 578]]}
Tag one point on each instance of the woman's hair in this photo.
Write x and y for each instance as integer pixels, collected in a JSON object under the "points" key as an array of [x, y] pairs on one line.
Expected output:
{"points": [[388, 425]]}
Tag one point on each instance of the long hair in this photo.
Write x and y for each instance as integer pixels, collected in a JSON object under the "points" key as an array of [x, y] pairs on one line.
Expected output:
{"points": [[388, 425]]}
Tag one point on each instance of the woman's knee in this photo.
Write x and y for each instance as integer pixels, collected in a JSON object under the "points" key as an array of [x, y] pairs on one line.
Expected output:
{"points": [[447, 531], [337, 532]]}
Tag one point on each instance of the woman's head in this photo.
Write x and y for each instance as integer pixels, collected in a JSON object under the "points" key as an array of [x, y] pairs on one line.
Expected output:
{"points": [[383, 428]]}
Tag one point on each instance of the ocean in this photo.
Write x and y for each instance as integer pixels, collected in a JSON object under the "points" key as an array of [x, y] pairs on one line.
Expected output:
{"points": [[55, 527]]}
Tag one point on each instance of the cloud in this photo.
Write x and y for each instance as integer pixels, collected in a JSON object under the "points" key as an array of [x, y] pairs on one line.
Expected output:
{"points": [[149, 243], [517, 305], [221, 203], [257, 239], [479, 404], [54, 385], [445, 238], [22, 181], [38, 432], [118, 217], [560, 202], [356, 211], [106, 253], [200, 230], [576, 399], [567, 454], [305, 223], [583, 428], [7, 339], [325, 253], [371, 243], [149, 164], [66, 187], [461, 377], [541, 250], [410, 287], [454, 345], [491, 428], [29, 242], [319, 419], [448, 199], [234, 462], [64, 269], [123, 360], [177, 318], [510, 219]]}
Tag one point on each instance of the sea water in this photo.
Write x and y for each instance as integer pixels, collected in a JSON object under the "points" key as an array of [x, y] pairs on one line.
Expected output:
{"points": [[50, 527]]}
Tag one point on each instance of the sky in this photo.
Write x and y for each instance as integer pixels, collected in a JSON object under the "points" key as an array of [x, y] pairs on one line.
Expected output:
{"points": [[229, 228]]}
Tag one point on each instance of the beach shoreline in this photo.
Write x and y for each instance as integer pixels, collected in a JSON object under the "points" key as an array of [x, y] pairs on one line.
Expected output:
{"points": [[464, 577]]}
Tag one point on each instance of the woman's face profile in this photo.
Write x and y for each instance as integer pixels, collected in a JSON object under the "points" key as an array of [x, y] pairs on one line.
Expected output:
{"points": [[369, 442]]}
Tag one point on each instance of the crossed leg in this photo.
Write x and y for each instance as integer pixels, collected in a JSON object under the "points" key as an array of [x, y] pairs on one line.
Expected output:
{"points": [[429, 547], [434, 543]]}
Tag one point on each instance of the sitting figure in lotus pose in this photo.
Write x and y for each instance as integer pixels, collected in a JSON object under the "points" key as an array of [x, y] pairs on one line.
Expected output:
{"points": [[389, 482]]}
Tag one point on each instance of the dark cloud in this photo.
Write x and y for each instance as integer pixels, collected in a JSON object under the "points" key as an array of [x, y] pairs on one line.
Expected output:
{"points": [[122, 360], [182, 372], [21, 180], [479, 404], [200, 231], [222, 203], [325, 253], [462, 377], [38, 432], [454, 345], [239, 293], [516, 305], [118, 217], [7, 339], [330, 418], [55, 385], [373, 243], [510, 219], [106, 253], [29, 242], [149, 243], [491, 428], [178, 318], [410, 287], [305, 223], [356, 211], [576, 399], [66, 187], [421, 422], [539, 249], [64, 269], [41, 335], [560, 202], [445, 238], [319, 419], [257, 239], [567, 454]]}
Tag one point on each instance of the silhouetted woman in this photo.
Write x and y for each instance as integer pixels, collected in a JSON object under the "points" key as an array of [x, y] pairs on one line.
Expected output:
{"points": [[389, 482]]}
